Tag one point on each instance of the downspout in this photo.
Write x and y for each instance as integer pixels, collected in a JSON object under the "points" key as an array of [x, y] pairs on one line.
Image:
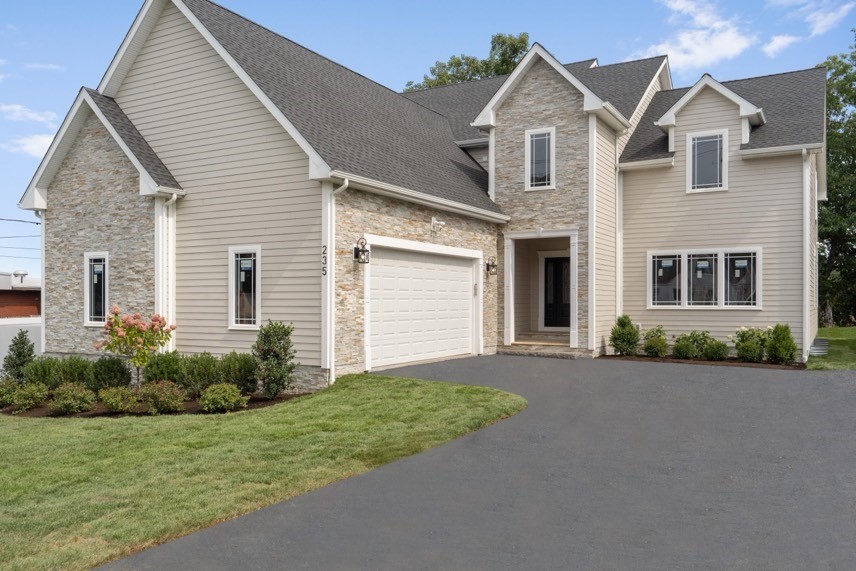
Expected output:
{"points": [[806, 342], [345, 184], [40, 214], [169, 254], [330, 238]]}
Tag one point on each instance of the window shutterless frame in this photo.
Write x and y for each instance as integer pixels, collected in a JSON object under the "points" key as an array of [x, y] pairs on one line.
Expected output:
{"points": [[745, 293], [245, 287], [540, 159], [707, 144], [96, 288]]}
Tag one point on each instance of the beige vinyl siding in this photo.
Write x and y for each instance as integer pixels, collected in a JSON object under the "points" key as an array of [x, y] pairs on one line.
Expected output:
{"points": [[247, 184], [481, 155], [656, 86], [605, 235], [813, 261], [762, 208]]}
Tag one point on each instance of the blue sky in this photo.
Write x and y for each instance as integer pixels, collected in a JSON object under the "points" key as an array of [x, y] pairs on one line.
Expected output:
{"points": [[49, 49]]}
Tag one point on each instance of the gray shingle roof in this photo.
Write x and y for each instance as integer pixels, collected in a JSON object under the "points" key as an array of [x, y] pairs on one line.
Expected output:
{"points": [[793, 104], [134, 140], [622, 84], [356, 125]]}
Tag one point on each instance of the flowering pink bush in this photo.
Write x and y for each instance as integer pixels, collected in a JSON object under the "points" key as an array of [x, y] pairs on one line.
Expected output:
{"points": [[134, 337]]}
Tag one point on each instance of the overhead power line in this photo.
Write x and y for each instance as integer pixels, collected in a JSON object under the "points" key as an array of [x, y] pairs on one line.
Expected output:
{"points": [[17, 248], [20, 257], [22, 236], [19, 220]]}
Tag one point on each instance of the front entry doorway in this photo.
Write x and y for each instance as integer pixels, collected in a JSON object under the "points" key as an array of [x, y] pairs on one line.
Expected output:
{"points": [[557, 292]]}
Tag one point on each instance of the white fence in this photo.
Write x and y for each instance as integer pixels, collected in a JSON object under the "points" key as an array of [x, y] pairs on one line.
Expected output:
{"points": [[9, 327]]}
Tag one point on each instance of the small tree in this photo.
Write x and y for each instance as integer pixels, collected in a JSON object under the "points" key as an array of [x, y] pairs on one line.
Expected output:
{"points": [[274, 355], [134, 337], [21, 352], [624, 336]]}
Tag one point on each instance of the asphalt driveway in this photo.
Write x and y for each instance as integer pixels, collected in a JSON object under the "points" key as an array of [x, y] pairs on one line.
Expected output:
{"points": [[614, 464]]}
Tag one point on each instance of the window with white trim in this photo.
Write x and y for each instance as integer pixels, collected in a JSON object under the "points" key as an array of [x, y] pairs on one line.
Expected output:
{"points": [[707, 161], [699, 279], [96, 288], [540, 159], [245, 271]]}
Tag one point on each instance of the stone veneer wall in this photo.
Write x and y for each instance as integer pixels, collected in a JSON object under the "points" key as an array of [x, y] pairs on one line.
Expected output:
{"points": [[543, 98], [359, 213], [94, 204]]}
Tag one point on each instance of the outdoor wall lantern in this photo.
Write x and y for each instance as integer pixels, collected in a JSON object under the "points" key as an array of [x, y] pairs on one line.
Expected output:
{"points": [[490, 266], [362, 254]]}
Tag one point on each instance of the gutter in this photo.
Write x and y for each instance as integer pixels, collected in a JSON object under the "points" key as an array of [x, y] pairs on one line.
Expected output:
{"points": [[408, 195]]}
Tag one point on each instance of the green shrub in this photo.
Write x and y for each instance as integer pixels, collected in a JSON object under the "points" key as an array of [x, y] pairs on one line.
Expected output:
{"points": [[109, 371], [164, 367], [624, 337], [222, 397], [28, 396], [200, 372], [72, 369], [118, 399], [239, 369], [684, 348], [715, 351], [781, 347], [750, 351], [756, 338], [274, 355], [69, 398], [39, 370], [699, 340], [654, 343], [7, 387], [21, 352], [162, 396]]}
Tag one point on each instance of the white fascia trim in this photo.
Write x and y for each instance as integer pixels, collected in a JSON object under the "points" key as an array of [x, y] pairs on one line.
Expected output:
{"points": [[754, 113], [131, 45], [318, 168], [778, 151], [592, 229], [233, 250], [591, 102], [541, 233], [405, 194], [649, 164]]}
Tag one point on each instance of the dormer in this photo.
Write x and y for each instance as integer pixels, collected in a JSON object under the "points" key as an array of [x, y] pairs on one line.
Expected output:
{"points": [[750, 114]]}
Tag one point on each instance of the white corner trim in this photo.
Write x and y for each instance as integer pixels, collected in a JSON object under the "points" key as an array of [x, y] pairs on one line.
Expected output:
{"points": [[233, 250], [328, 280], [592, 230], [86, 257], [754, 113], [649, 164], [527, 143], [318, 168], [689, 160], [491, 165], [619, 244], [574, 341], [508, 263], [806, 214], [408, 195]]}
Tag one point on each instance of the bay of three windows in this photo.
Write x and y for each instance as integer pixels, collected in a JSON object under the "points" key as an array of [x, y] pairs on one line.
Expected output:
{"points": [[725, 278]]}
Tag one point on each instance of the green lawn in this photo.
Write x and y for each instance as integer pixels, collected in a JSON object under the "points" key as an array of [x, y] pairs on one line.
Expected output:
{"points": [[842, 349], [78, 492]]}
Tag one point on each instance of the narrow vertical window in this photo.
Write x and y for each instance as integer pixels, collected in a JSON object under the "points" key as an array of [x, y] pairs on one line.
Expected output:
{"points": [[666, 280], [245, 291], [741, 279], [540, 159], [96, 279], [707, 161], [703, 279]]}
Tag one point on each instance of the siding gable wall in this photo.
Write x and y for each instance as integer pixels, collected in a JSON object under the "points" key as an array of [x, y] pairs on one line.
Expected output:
{"points": [[246, 181], [762, 207]]}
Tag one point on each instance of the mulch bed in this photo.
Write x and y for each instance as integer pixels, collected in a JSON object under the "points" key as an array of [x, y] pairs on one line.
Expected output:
{"points": [[190, 407], [730, 362]]}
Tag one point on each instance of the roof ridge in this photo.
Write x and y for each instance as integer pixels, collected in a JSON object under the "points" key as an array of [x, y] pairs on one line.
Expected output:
{"points": [[628, 61], [748, 78], [346, 68], [486, 78]]}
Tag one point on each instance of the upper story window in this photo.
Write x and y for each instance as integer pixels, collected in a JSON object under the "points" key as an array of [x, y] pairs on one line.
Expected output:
{"points": [[707, 161], [541, 159], [245, 273], [95, 295]]}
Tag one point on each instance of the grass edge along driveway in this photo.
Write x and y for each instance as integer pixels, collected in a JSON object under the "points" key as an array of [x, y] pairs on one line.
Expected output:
{"points": [[80, 492], [842, 349]]}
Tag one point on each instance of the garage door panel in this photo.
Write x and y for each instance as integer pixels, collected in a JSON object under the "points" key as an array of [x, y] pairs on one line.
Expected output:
{"points": [[421, 306]]}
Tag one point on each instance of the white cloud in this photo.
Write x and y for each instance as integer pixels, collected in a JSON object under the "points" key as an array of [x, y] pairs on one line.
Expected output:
{"points": [[779, 43], [33, 145], [45, 66], [11, 28], [15, 112], [703, 37], [820, 15]]}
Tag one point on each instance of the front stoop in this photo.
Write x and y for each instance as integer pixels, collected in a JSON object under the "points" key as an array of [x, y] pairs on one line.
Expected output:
{"points": [[551, 351]]}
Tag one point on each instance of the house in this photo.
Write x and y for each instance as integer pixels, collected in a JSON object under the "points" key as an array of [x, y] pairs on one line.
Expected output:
{"points": [[19, 295], [223, 175]]}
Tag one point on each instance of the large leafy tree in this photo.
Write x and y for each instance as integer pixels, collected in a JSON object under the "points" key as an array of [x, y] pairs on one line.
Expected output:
{"points": [[837, 225], [506, 50]]}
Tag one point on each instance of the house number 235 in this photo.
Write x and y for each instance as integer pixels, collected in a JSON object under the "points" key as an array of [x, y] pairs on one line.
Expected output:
{"points": [[324, 260]]}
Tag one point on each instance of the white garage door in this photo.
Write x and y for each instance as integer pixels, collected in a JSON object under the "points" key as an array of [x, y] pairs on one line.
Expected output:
{"points": [[421, 306]]}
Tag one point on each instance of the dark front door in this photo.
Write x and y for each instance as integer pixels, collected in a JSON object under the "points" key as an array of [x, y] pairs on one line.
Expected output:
{"points": [[557, 292]]}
